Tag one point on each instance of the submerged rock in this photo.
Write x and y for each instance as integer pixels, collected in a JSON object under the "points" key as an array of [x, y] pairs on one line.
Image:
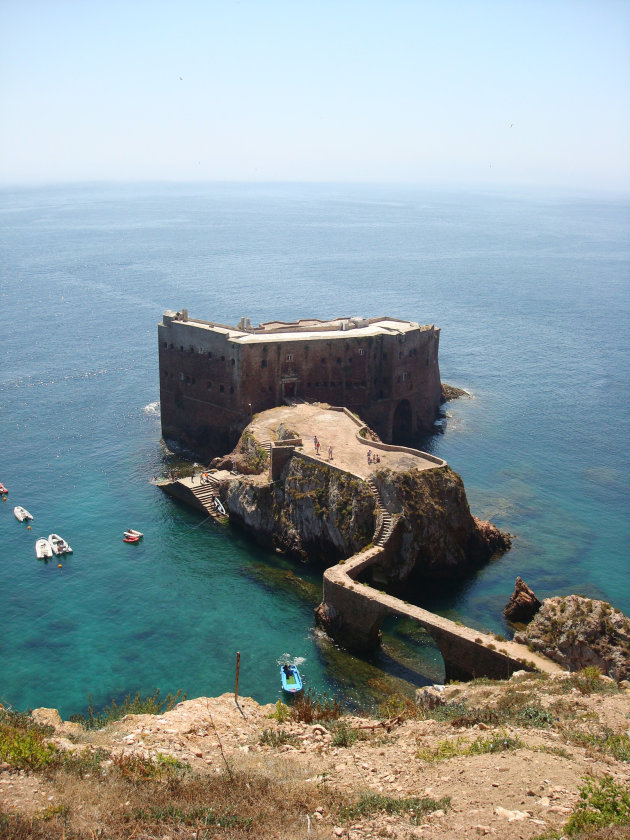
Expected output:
{"points": [[577, 632], [523, 604]]}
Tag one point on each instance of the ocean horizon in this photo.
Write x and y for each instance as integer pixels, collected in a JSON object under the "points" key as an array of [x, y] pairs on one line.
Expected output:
{"points": [[531, 292]]}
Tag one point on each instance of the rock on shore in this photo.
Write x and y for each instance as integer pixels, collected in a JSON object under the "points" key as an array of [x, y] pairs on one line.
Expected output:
{"points": [[577, 632], [523, 604]]}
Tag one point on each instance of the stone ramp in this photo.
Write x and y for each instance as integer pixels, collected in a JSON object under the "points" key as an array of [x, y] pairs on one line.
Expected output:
{"points": [[360, 609]]}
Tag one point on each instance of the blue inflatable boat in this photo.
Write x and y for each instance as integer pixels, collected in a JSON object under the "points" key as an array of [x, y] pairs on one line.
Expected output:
{"points": [[291, 679]]}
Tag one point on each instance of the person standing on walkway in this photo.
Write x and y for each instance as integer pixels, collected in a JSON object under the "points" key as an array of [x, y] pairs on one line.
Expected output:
{"points": [[315, 443], [330, 453]]}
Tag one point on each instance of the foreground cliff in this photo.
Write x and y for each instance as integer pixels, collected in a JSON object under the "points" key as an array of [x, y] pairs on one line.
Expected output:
{"points": [[528, 758]]}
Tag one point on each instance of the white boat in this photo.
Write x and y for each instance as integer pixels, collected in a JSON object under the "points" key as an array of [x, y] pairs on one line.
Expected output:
{"points": [[218, 505], [59, 545], [43, 550], [133, 533], [21, 513]]}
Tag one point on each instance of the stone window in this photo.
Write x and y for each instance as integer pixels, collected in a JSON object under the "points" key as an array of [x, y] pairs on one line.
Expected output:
{"points": [[233, 362], [338, 360], [181, 348], [209, 386], [231, 389], [164, 344], [222, 358], [289, 357], [263, 363], [221, 388], [361, 352], [209, 355]]}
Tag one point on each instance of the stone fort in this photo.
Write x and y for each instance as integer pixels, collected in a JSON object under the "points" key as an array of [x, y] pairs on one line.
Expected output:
{"points": [[214, 378]]}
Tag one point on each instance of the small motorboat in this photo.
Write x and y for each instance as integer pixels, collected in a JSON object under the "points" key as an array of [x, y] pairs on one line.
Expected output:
{"points": [[131, 538], [43, 549], [218, 505], [59, 545], [131, 532], [21, 513], [291, 679], [3, 490]]}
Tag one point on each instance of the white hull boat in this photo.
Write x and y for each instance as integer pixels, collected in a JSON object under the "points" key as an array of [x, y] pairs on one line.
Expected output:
{"points": [[218, 506], [21, 513], [43, 550], [59, 545]]}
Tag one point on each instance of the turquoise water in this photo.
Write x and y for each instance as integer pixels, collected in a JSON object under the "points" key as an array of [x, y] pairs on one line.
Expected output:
{"points": [[531, 293]]}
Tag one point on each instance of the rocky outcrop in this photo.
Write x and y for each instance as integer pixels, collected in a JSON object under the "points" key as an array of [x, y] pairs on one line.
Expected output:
{"points": [[523, 604], [247, 458], [577, 632], [451, 392], [435, 535], [313, 512], [324, 515]]}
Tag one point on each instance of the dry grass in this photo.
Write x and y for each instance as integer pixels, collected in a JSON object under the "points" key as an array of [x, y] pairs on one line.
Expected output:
{"points": [[215, 805]]}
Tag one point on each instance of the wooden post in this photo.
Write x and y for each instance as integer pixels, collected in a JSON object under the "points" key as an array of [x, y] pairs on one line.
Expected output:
{"points": [[238, 661]]}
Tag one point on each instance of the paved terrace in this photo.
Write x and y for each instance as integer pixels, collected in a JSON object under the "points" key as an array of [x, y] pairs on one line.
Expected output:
{"points": [[337, 428]]}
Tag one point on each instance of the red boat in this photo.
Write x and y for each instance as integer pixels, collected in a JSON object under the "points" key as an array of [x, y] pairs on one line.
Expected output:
{"points": [[3, 490], [132, 536]]}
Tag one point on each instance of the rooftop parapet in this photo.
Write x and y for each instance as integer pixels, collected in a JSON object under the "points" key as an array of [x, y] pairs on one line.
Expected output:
{"points": [[302, 329]]}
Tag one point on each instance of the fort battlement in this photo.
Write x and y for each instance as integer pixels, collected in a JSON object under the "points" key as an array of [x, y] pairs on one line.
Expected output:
{"points": [[215, 377]]}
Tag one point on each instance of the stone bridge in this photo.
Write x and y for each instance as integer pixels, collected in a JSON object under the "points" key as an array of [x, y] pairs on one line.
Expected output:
{"points": [[353, 613]]}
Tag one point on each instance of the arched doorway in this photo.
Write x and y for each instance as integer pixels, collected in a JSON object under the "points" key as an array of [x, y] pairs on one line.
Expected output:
{"points": [[401, 426]]}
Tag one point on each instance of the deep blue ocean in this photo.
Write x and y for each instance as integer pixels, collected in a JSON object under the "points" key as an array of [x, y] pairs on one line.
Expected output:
{"points": [[532, 294]]}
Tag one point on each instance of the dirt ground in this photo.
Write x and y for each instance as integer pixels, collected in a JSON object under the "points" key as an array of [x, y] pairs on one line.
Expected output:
{"points": [[512, 795]]}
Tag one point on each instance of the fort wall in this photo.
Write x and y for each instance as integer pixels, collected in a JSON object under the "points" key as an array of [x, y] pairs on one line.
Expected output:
{"points": [[213, 377]]}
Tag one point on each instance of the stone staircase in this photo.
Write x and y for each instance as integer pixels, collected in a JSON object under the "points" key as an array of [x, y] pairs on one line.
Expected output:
{"points": [[205, 493], [384, 520], [266, 445]]}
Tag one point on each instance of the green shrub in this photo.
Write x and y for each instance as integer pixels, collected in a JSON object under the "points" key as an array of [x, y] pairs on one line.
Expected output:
{"points": [[370, 803], [495, 743], [309, 707], [344, 735], [281, 713], [26, 749], [137, 705], [602, 802], [277, 738]]}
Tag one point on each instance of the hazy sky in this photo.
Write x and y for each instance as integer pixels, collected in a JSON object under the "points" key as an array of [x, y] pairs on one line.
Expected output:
{"points": [[422, 91]]}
